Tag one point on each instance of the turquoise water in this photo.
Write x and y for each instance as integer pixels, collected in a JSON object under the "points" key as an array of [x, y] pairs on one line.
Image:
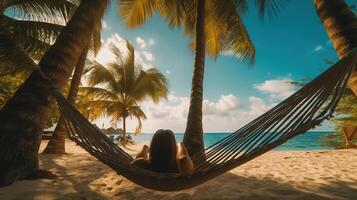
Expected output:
{"points": [[307, 141]]}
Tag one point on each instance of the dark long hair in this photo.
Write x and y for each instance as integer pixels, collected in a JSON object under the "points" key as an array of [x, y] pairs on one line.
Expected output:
{"points": [[163, 152]]}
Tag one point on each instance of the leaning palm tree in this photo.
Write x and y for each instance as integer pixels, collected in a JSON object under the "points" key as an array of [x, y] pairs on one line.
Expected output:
{"points": [[340, 23], [341, 26], [24, 115], [215, 26], [118, 88], [31, 29], [56, 144]]}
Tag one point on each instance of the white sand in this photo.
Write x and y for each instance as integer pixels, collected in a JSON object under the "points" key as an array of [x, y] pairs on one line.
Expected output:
{"points": [[275, 175]]}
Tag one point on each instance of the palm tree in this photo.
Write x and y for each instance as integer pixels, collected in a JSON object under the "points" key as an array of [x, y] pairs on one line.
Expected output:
{"points": [[31, 33], [215, 26], [340, 24], [124, 85], [56, 144], [23, 116]]}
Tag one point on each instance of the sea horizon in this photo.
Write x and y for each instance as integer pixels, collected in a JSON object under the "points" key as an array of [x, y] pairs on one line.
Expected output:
{"points": [[307, 141]]}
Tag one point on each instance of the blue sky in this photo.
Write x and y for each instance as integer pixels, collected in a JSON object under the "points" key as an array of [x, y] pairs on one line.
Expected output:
{"points": [[291, 46]]}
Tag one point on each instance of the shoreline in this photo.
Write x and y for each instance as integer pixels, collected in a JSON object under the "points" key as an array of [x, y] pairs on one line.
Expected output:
{"points": [[319, 174]]}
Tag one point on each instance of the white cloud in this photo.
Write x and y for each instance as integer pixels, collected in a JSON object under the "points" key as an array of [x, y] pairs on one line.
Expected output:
{"points": [[318, 48], [105, 56], [277, 89], [151, 42], [141, 42], [148, 56], [223, 107], [227, 53], [225, 114], [106, 26], [258, 106], [168, 72], [145, 43]]}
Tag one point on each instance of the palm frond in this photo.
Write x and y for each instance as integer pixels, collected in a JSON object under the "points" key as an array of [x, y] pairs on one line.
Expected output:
{"points": [[150, 83], [237, 39], [136, 112], [270, 7], [135, 12], [57, 11], [22, 29], [99, 93], [13, 58], [100, 74], [116, 111], [242, 6], [34, 48]]}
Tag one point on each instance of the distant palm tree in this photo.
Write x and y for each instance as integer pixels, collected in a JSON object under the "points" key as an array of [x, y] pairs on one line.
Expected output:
{"points": [[118, 88], [27, 28], [24, 115], [215, 26]]}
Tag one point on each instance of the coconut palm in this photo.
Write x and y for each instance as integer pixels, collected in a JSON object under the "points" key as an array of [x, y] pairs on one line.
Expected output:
{"points": [[31, 27], [118, 88], [340, 24], [215, 26], [56, 144], [24, 115]]}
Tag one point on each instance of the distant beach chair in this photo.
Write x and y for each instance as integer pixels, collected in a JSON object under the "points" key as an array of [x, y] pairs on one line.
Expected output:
{"points": [[350, 133], [111, 137]]}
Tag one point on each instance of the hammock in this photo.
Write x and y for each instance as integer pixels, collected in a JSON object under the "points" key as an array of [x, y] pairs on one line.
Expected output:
{"points": [[300, 112]]}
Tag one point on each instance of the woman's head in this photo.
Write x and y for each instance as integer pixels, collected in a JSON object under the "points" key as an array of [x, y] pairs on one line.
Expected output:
{"points": [[163, 151]]}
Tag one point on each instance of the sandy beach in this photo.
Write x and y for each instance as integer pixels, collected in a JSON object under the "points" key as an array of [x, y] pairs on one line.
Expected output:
{"points": [[275, 175]]}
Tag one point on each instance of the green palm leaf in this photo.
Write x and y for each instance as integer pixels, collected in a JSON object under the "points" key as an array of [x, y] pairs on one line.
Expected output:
{"points": [[13, 59]]}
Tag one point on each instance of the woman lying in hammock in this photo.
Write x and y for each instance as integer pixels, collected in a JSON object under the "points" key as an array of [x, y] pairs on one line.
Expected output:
{"points": [[164, 155]]}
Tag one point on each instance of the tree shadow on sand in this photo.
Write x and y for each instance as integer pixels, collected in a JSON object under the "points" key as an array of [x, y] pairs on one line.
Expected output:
{"points": [[67, 184], [87, 178], [232, 186], [78, 178]]}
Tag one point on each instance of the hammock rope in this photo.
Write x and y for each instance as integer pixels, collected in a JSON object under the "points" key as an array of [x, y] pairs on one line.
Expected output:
{"points": [[303, 110]]}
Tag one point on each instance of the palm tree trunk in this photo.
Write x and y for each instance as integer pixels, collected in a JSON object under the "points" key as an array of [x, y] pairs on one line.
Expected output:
{"points": [[56, 145], [124, 131], [23, 117], [193, 138], [341, 26]]}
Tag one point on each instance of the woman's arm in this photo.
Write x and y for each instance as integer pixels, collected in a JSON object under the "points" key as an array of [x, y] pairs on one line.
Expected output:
{"points": [[144, 153], [184, 161], [142, 158]]}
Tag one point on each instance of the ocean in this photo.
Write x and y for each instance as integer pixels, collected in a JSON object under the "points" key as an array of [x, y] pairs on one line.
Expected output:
{"points": [[307, 141]]}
